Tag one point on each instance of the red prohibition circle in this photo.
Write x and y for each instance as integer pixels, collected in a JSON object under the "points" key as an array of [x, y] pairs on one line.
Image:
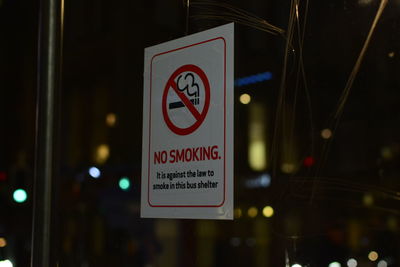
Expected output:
{"points": [[199, 116]]}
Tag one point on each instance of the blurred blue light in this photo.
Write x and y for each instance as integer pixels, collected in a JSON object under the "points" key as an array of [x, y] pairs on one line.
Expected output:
{"points": [[264, 76], [262, 181], [265, 180], [94, 172]]}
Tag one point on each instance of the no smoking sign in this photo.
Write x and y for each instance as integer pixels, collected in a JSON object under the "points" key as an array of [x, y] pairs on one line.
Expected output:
{"points": [[186, 99], [187, 155]]}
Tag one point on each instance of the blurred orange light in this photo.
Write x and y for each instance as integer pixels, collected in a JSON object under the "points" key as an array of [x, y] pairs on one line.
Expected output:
{"points": [[326, 133], [102, 153], [111, 119], [373, 256], [3, 242], [252, 212]]}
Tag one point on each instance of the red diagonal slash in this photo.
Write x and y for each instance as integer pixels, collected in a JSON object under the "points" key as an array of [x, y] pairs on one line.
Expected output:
{"points": [[199, 116], [186, 101]]}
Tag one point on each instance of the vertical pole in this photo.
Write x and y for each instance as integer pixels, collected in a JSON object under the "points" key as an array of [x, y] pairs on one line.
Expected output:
{"points": [[49, 77], [187, 16]]}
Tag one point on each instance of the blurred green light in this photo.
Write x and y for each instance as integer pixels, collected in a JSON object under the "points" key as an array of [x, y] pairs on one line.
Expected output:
{"points": [[20, 195], [6, 263], [124, 183]]}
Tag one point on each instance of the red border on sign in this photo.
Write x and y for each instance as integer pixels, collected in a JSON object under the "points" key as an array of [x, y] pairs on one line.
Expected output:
{"points": [[148, 171], [199, 117]]}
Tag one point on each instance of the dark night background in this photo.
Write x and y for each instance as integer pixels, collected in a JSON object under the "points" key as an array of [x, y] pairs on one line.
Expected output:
{"points": [[335, 198]]}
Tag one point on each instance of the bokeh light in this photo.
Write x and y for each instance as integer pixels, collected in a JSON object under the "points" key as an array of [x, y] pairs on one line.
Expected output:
{"points": [[3, 242], [352, 263], [102, 153], [326, 133], [252, 212], [268, 211], [368, 199], [20, 195], [6, 263], [238, 213], [288, 168], [386, 152], [235, 241], [94, 172], [124, 183], [245, 99], [111, 119], [373, 256], [382, 263], [309, 161]]}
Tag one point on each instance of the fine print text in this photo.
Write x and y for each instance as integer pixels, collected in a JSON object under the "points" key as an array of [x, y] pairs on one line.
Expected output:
{"points": [[191, 179]]}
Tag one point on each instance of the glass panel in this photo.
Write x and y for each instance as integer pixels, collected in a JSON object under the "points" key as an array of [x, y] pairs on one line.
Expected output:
{"points": [[317, 145]]}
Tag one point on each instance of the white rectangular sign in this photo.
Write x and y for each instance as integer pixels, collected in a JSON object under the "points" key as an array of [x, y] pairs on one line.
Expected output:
{"points": [[187, 155]]}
